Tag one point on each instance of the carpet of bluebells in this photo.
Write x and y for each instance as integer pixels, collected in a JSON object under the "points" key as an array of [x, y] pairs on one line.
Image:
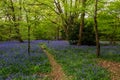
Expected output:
{"points": [[110, 52], [77, 61], [16, 64], [80, 63]]}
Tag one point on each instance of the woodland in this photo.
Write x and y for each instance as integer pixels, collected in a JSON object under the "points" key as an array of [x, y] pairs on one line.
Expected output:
{"points": [[59, 39]]}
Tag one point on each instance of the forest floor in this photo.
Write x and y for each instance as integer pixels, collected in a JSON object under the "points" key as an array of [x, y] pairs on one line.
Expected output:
{"points": [[113, 67], [57, 73]]}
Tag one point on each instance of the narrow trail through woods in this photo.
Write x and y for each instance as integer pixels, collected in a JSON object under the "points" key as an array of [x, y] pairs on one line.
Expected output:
{"points": [[57, 72], [113, 67]]}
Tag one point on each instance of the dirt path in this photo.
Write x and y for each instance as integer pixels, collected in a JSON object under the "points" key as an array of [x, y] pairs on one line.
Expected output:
{"points": [[113, 67], [57, 72]]}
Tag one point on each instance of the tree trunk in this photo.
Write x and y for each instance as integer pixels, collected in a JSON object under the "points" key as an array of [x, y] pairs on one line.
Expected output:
{"points": [[15, 22], [29, 46], [96, 30], [29, 28], [29, 43], [81, 24], [57, 31]]}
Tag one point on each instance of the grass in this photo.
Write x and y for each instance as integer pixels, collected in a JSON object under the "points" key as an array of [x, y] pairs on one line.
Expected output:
{"points": [[111, 57], [78, 62], [80, 65], [110, 53]]}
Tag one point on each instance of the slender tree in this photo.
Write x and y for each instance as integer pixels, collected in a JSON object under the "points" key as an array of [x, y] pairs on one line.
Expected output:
{"points": [[82, 23], [29, 28], [14, 18], [96, 29]]}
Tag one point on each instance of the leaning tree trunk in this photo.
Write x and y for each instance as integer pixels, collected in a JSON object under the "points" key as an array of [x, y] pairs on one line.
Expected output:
{"points": [[96, 30], [82, 23]]}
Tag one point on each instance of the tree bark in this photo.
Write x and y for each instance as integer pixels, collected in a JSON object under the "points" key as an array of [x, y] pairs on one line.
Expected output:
{"points": [[29, 28], [29, 43], [58, 35], [96, 30], [15, 22], [81, 24]]}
